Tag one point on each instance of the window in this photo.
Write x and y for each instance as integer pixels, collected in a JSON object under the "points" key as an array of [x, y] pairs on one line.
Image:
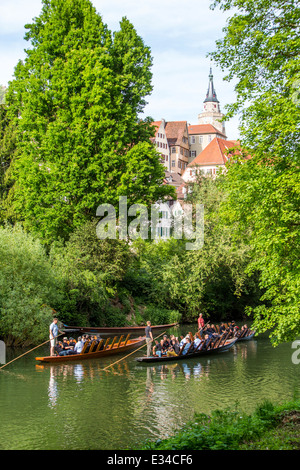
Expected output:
{"points": [[193, 153], [173, 149], [200, 139], [192, 139], [173, 162]]}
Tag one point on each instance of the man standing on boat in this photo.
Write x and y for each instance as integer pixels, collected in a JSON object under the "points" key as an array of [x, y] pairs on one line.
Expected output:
{"points": [[200, 322], [53, 332], [149, 338]]}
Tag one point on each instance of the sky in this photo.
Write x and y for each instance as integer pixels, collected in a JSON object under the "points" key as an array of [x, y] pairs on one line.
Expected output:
{"points": [[179, 33]]}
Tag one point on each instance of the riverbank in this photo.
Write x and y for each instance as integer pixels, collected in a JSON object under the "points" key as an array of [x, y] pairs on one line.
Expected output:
{"points": [[269, 427]]}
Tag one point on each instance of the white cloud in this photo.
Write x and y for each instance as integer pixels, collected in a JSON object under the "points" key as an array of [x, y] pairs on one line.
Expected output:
{"points": [[179, 33], [14, 14]]}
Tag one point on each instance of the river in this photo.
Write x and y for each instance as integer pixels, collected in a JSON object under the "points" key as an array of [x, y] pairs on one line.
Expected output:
{"points": [[80, 406]]}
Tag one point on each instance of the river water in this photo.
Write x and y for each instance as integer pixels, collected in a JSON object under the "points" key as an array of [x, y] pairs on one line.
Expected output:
{"points": [[80, 406]]}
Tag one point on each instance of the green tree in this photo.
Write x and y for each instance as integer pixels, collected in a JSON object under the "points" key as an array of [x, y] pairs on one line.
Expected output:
{"points": [[76, 100], [7, 152], [29, 288], [260, 49], [212, 280], [91, 271]]}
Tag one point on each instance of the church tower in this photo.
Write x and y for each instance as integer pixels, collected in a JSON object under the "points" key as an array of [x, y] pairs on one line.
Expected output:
{"points": [[211, 110]]}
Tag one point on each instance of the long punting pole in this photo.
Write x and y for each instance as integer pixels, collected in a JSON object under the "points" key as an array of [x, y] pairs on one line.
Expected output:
{"points": [[105, 368], [29, 351]]}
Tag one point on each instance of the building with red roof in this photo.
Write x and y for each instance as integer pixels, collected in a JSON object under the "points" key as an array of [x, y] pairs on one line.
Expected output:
{"points": [[213, 158]]}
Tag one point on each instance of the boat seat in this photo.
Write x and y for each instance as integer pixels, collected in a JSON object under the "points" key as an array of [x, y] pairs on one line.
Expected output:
{"points": [[92, 346], [85, 346], [99, 345]]}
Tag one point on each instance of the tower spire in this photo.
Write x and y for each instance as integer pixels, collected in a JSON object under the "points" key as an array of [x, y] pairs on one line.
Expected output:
{"points": [[211, 108], [211, 95]]}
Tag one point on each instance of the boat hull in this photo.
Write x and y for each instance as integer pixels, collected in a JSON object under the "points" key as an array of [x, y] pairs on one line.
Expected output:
{"points": [[130, 345], [115, 329], [154, 359]]}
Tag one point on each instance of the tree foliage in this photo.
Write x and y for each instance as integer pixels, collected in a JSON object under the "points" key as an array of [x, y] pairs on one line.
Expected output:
{"points": [[211, 280], [260, 49], [76, 100], [28, 286]]}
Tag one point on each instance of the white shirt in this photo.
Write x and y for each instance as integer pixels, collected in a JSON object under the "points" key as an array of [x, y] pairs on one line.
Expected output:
{"points": [[78, 347], [54, 329]]}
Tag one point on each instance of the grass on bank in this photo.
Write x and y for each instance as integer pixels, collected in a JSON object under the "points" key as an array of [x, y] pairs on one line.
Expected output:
{"points": [[269, 427]]}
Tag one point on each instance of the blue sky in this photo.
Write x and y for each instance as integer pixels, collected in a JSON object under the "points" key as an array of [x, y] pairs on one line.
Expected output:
{"points": [[179, 33]]}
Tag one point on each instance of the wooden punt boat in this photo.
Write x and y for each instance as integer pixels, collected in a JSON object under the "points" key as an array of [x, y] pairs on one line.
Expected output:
{"points": [[102, 349], [246, 337], [117, 330], [224, 347]]}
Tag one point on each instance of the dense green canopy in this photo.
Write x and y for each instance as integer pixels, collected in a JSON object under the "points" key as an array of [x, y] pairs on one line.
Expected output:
{"points": [[261, 50], [76, 102]]}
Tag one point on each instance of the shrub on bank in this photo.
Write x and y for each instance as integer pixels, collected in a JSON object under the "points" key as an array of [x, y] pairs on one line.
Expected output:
{"points": [[226, 429]]}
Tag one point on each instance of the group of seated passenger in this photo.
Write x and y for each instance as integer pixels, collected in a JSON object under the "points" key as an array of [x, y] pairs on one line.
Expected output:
{"points": [[173, 346], [166, 346], [205, 337], [231, 329], [71, 346]]}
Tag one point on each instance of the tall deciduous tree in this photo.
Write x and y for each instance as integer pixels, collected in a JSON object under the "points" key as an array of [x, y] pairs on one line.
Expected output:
{"points": [[7, 152], [76, 100], [261, 49]]}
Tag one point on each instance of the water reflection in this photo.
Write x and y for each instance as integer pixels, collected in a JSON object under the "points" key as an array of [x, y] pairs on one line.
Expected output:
{"points": [[52, 389], [132, 401]]}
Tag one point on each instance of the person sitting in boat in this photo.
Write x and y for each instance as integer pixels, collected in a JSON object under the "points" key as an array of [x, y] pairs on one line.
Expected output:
{"points": [[210, 331], [214, 330], [197, 340], [222, 328], [78, 346], [72, 341], [182, 341], [243, 331], [58, 347], [157, 349], [96, 340], [187, 346], [171, 352], [232, 326], [175, 345], [67, 348], [166, 343], [87, 340], [163, 347], [207, 339], [174, 348]]}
